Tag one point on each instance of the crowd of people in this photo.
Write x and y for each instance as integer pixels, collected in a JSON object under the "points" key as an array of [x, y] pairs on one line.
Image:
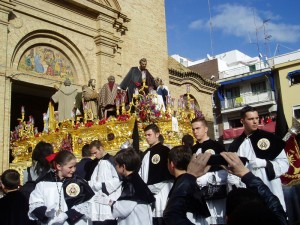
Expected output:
{"points": [[194, 183]]}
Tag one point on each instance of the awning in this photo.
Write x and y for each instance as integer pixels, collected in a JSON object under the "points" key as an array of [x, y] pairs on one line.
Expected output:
{"points": [[293, 74], [235, 132], [245, 78]]}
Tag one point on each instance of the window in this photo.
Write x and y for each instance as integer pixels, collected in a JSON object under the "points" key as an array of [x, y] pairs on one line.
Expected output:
{"points": [[295, 80], [232, 93], [252, 68], [296, 111], [258, 87], [235, 123], [294, 77]]}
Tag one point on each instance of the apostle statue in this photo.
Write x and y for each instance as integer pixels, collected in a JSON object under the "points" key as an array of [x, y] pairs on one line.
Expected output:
{"points": [[90, 99], [65, 97], [107, 96], [134, 79]]}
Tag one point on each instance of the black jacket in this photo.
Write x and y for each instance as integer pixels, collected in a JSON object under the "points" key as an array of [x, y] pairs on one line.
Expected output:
{"points": [[256, 184], [184, 197]]}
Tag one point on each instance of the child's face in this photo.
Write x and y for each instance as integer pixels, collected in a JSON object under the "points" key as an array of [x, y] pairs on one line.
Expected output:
{"points": [[120, 169], [67, 170]]}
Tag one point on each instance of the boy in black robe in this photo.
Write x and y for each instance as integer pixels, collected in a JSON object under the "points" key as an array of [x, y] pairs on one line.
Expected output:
{"points": [[14, 205]]}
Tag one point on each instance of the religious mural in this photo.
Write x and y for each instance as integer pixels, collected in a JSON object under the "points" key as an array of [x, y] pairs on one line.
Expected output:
{"points": [[47, 61]]}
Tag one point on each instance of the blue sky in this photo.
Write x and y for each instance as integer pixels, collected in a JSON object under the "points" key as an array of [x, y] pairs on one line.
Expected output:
{"points": [[234, 24]]}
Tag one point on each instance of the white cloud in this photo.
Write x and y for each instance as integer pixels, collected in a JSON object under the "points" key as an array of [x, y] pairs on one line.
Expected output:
{"points": [[197, 24], [238, 20]]}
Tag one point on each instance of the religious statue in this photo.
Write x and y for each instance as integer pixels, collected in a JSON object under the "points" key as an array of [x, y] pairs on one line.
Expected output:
{"points": [[135, 77], [107, 96], [162, 93], [65, 97], [90, 99]]}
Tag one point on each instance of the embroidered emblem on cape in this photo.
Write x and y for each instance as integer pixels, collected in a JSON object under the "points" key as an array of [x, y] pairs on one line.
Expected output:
{"points": [[211, 151], [155, 159], [73, 190], [263, 144]]}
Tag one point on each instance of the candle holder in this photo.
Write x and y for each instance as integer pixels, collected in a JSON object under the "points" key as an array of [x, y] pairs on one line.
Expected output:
{"points": [[144, 87], [123, 110]]}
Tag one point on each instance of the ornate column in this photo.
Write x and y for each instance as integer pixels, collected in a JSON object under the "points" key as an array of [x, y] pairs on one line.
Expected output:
{"points": [[5, 87]]}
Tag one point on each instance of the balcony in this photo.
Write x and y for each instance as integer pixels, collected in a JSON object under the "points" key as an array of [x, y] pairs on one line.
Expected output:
{"points": [[243, 70], [248, 99]]}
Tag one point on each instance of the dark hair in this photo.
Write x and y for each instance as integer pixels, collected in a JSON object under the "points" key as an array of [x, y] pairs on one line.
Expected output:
{"points": [[251, 213], [143, 60], [130, 158], [90, 82], [198, 119], [188, 140], [63, 157], [10, 179], [85, 151], [246, 109], [39, 154], [95, 143], [180, 156], [152, 127], [161, 138], [239, 196]]}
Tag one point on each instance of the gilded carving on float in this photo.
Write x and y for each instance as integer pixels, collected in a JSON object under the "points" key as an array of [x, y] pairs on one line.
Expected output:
{"points": [[112, 132]]}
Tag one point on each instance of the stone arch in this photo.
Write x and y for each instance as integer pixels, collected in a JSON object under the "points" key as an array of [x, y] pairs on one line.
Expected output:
{"points": [[53, 40], [197, 106]]}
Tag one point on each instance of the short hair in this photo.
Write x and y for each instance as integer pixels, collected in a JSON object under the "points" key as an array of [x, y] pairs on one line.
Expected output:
{"points": [[67, 82], [85, 151], [198, 119], [111, 77], [246, 109], [239, 196], [180, 156], [188, 140], [10, 179], [161, 138], [90, 82], [152, 127], [143, 60], [95, 143], [251, 213], [63, 157], [128, 157]]}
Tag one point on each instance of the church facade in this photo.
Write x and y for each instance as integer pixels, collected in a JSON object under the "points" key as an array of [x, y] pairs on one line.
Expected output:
{"points": [[43, 42]]}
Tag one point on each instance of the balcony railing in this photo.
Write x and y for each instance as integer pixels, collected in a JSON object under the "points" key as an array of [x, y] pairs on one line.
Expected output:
{"points": [[247, 99], [259, 66]]}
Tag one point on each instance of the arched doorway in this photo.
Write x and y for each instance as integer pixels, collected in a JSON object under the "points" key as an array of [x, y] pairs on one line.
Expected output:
{"points": [[34, 98]]}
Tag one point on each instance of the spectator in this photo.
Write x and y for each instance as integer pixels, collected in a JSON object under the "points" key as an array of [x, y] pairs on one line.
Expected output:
{"points": [[188, 141], [134, 205], [40, 165], [81, 169], [14, 205]]}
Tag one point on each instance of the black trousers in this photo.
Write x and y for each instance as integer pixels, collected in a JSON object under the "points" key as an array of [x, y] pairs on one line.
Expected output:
{"points": [[158, 221], [106, 222]]}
